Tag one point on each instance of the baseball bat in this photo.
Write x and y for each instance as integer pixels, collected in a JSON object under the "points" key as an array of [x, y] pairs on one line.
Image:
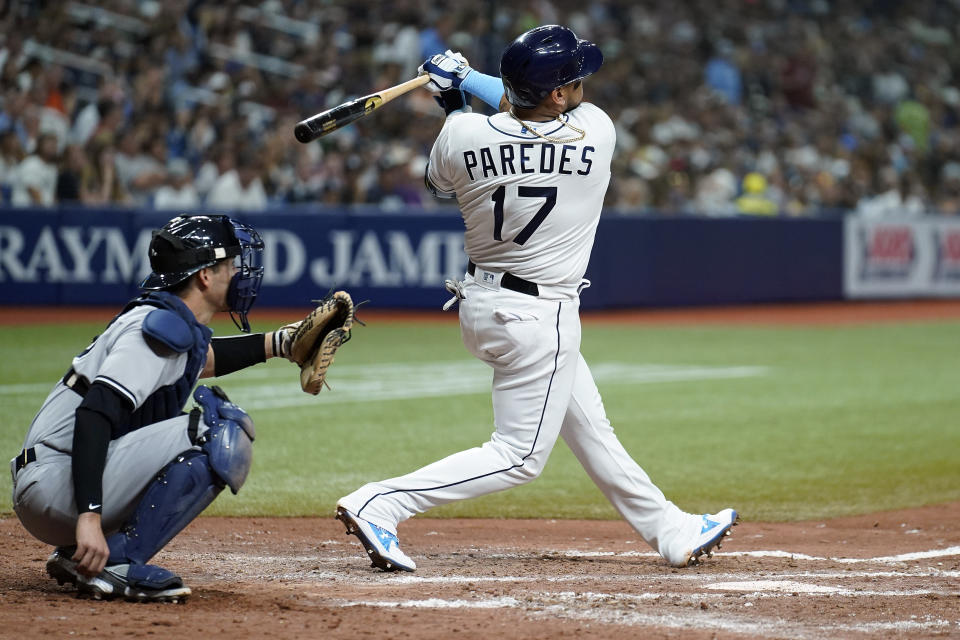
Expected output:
{"points": [[332, 119]]}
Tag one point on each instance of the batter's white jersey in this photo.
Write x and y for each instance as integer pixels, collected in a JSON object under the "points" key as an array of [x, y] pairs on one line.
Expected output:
{"points": [[530, 206], [531, 209]]}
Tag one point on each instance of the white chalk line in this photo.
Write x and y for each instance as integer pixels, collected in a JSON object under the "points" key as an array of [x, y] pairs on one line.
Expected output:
{"points": [[726, 590], [372, 383], [268, 566], [904, 557], [748, 589], [582, 606], [258, 388]]}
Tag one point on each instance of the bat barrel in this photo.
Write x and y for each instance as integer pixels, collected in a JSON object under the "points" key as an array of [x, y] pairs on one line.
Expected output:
{"points": [[323, 123]]}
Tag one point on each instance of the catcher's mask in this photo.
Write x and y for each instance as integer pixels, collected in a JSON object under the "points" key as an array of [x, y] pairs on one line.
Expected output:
{"points": [[187, 244]]}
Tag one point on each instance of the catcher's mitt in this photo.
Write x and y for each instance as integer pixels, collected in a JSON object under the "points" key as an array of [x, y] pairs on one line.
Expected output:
{"points": [[316, 338]]}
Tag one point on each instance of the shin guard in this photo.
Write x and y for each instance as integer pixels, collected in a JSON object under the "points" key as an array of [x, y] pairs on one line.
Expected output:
{"points": [[178, 494]]}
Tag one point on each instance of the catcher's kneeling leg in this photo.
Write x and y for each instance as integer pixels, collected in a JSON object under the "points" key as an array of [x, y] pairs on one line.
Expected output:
{"points": [[187, 486]]}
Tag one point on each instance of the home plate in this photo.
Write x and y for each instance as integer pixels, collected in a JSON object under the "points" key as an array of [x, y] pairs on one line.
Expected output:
{"points": [[782, 586]]}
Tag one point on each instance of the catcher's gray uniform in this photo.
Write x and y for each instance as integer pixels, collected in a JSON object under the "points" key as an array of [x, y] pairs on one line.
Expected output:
{"points": [[111, 468], [121, 357]]}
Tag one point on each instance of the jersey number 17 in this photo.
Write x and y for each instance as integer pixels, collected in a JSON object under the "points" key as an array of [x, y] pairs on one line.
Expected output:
{"points": [[550, 200]]}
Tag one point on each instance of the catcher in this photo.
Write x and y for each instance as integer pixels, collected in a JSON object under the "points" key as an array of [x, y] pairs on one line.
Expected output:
{"points": [[111, 468]]}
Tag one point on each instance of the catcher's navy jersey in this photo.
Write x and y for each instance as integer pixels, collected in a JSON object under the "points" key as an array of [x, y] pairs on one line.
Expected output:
{"points": [[531, 206]]}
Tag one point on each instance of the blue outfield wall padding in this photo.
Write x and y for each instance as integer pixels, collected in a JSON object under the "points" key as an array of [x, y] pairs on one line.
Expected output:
{"points": [[400, 260], [688, 261]]}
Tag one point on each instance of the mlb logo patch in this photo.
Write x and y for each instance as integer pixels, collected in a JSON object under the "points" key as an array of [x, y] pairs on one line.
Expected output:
{"points": [[489, 277]]}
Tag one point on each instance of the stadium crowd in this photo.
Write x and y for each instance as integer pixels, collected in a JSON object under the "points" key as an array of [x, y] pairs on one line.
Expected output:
{"points": [[723, 107]]}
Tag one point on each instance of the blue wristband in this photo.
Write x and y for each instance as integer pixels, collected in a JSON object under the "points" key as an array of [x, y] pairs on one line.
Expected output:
{"points": [[487, 88]]}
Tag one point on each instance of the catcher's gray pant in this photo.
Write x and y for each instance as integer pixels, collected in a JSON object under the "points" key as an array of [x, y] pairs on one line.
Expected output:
{"points": [[542, 388], [43, 495]]}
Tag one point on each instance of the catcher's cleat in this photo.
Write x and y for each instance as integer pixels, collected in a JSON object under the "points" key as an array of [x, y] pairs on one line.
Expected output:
{"points": [[61, 568], [382, 546], [713, 529], [136, 583]]}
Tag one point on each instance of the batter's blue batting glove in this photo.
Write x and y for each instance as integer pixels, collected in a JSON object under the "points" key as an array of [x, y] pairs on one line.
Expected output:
{"points": [[446, 71]]}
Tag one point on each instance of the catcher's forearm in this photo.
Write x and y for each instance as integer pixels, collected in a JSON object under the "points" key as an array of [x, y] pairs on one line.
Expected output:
{"points": [[232, 353]]}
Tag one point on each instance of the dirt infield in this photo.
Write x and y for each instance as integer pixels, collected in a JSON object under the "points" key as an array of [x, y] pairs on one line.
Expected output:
{"points": [[890, 575]]}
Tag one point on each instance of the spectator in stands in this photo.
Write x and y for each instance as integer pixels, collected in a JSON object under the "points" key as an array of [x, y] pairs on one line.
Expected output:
{"points": [[755, 200], [141, 163], [36, 180], [55, 114], [99, 184], [949, 197], [722, 74], [179, 192], [221, 161], [11, 155], [69, 178], [28, 128], [109, 123], [815, 95], [394, 189], [895, 199], [240, 188], [101, 118], [306, 184], [715, 193]]}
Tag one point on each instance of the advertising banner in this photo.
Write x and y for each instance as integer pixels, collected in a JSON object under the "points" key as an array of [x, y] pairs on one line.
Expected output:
{"points": [[400, 260], [901, 258], [84, 257]]}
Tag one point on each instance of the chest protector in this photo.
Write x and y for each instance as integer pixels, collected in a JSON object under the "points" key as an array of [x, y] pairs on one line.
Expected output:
{"points": [[190, 337]]}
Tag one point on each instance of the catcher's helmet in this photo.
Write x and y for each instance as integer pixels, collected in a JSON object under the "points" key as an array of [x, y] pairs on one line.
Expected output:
{"points": [[187, 244], [543, 59]]}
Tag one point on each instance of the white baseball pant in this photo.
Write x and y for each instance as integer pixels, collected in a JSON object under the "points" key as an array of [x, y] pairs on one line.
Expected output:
{"points": [[542, 388]]}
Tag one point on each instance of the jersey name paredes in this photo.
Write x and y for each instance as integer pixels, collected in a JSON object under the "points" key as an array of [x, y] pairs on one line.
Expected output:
{"points": [[530, 206], [528, 157]]}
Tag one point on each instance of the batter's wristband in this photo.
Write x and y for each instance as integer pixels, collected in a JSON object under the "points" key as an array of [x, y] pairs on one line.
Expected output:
{"points": [[487, 88]]}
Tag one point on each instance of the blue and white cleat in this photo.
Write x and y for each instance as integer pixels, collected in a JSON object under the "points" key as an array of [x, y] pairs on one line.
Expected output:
{"points": [[713, 529], [381, 545]]}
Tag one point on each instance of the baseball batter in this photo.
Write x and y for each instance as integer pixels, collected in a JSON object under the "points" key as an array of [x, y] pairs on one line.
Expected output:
{"points": [[530, 182], [111, 468]]}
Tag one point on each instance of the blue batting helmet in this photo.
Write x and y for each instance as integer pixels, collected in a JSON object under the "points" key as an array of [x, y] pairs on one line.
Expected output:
{"points": [[543, 59]]}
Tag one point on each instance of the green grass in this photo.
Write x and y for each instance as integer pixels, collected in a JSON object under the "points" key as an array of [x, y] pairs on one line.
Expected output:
{"points": [[845, 420]]}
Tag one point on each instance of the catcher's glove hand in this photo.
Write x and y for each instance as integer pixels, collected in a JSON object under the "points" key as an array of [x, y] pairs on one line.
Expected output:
{"points": [[312, 342]]}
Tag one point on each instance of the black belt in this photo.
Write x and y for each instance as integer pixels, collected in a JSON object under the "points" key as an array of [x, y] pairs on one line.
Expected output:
{"points": [[26, 457], [512, 282], [76, 382]]}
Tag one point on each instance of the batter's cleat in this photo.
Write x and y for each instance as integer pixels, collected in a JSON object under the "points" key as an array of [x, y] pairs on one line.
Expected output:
{"points": [[713, 529], [381, 545], [136, 583]]}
